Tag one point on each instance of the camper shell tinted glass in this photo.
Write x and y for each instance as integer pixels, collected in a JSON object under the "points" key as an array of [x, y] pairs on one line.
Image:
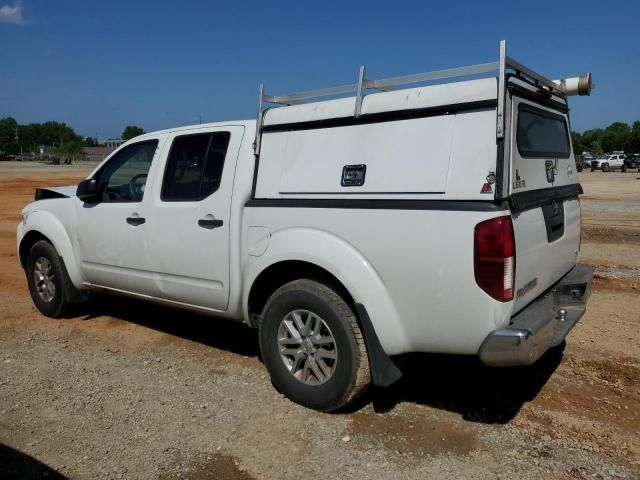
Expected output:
{"points": [[541, 134]]}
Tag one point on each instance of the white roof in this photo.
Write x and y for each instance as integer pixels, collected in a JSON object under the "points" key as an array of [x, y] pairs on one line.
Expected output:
{"points": [[395, 100]]}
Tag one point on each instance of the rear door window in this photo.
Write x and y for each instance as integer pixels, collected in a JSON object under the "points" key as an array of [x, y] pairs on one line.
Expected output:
{"points": [[541, 134], [194, 167]]}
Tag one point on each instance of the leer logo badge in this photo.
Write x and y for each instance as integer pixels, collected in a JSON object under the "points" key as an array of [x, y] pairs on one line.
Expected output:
{"points": [[518, 182]]}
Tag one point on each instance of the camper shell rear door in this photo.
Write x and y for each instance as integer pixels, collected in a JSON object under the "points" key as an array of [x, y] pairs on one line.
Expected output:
{"points": [[543, 190]]}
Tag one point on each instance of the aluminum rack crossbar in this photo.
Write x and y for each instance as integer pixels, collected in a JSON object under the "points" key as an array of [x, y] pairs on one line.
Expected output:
{"points": [[395, 83]]}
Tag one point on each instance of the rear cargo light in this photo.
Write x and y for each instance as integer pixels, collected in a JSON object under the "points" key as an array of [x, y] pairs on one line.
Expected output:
{"points": [[495, 257]]}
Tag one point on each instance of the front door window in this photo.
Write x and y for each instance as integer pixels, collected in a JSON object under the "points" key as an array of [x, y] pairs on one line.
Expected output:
{"points": [[124, 177]]}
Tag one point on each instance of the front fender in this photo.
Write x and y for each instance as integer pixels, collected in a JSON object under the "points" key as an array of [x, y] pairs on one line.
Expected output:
{"points": [[344, 262], [48, 225]]}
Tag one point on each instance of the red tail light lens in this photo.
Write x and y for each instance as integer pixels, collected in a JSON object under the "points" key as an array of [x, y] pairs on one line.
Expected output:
{"points": [[495, 257]]}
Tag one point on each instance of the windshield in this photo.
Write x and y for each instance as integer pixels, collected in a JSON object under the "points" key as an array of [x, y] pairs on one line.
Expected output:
{"points": [[541, 133]]}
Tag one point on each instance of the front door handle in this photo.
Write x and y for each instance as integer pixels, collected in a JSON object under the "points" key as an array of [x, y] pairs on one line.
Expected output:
{"points": [[209, 222], [135, 221]]}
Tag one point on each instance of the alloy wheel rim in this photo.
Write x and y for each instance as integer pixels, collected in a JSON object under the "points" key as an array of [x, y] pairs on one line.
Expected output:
{"points": [[307, 347], [44, 279]]}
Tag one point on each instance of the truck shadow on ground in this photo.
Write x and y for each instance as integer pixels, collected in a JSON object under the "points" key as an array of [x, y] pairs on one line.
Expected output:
{"points": [[456, 383], [462, 384], [20, 466], [214, 332]]}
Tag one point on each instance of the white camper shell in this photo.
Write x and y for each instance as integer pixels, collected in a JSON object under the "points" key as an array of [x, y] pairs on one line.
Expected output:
{"points": [[437, 218]]}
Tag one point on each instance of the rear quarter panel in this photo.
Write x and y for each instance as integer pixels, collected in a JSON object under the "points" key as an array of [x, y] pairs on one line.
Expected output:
{"points": [[412, 269]]}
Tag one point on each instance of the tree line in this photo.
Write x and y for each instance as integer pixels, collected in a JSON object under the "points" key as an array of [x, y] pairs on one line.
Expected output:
{"points": [[57, 137], [617, 136]]}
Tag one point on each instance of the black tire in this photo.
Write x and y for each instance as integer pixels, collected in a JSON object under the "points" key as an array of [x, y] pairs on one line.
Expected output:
{"points": [[350, 377], [605, 167], [43, 252]]}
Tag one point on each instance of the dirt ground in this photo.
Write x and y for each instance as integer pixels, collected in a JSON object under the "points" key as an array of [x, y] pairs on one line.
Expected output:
{"points": [[124, 390]]}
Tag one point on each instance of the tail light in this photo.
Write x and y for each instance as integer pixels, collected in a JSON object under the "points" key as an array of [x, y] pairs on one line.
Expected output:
{"points": [[495, 257]]}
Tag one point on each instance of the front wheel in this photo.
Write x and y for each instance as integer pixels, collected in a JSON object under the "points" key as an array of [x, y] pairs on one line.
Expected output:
{"points": [[312, 346], [47, 279]]}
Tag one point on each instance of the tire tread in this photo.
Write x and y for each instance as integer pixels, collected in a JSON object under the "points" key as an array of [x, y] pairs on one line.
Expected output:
{"points": [[340, 306]]}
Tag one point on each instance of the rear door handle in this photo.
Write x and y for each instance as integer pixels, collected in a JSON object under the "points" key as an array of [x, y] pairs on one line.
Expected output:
{"points": [[210, 223], [135, 221]]}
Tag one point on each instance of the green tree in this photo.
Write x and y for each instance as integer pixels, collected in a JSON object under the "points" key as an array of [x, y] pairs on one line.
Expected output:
{"points": [[615, 136], [90, 142], [576, 141], [592, 140], [8, 143], [131, 131], [72, 149], [633, 142]]}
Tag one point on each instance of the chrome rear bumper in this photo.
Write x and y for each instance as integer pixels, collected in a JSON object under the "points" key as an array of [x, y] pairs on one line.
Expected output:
{"points": [[543, 324]]}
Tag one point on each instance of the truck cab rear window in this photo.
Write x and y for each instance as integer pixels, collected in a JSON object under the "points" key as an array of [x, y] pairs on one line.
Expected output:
{"points": [[541, 134]]}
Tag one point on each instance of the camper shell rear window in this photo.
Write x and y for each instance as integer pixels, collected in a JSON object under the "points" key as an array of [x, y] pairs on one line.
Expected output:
{"points": [[541, 134]]}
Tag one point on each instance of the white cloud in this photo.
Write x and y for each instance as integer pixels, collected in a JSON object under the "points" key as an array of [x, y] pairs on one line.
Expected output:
{"points": [[11, 13]]}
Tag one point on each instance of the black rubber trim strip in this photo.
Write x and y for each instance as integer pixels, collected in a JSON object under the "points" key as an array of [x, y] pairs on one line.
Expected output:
{"points": [[539, 99], [383, 371], [254, 183], [500, 169], [361, 193], [522, 201], [379, 204], [45, 194], [382, 117]]}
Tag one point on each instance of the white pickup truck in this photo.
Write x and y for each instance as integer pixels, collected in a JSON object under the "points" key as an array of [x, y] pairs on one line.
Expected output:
{"points": [[349, 231]]}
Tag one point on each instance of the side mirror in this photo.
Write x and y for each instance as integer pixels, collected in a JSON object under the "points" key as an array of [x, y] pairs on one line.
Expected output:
{"points": [[87, 190]]}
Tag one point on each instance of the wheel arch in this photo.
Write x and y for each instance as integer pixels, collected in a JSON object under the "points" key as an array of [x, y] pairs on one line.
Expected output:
{"points": [[27, 242], [280, 273], [328, 257], [42, 225]]}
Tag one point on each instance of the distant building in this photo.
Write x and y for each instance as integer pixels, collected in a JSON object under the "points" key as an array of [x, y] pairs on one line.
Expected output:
{"points": [[113, 143], [97, 154]]}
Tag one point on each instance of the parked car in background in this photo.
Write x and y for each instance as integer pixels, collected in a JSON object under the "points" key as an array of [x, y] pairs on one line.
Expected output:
{"points": [[608, 162], [582, 162], [632, 160]]}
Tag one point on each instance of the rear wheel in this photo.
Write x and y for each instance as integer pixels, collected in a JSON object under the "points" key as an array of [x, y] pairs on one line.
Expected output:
{"points": [[312, 346], [605, 167], [47, 279]]}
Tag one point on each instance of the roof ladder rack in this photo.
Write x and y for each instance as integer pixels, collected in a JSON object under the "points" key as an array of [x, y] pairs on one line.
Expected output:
{"points": [[363, 85]]}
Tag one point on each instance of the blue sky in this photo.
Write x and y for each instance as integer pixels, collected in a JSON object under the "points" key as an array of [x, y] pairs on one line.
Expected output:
{"points": [[99, 65]]}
